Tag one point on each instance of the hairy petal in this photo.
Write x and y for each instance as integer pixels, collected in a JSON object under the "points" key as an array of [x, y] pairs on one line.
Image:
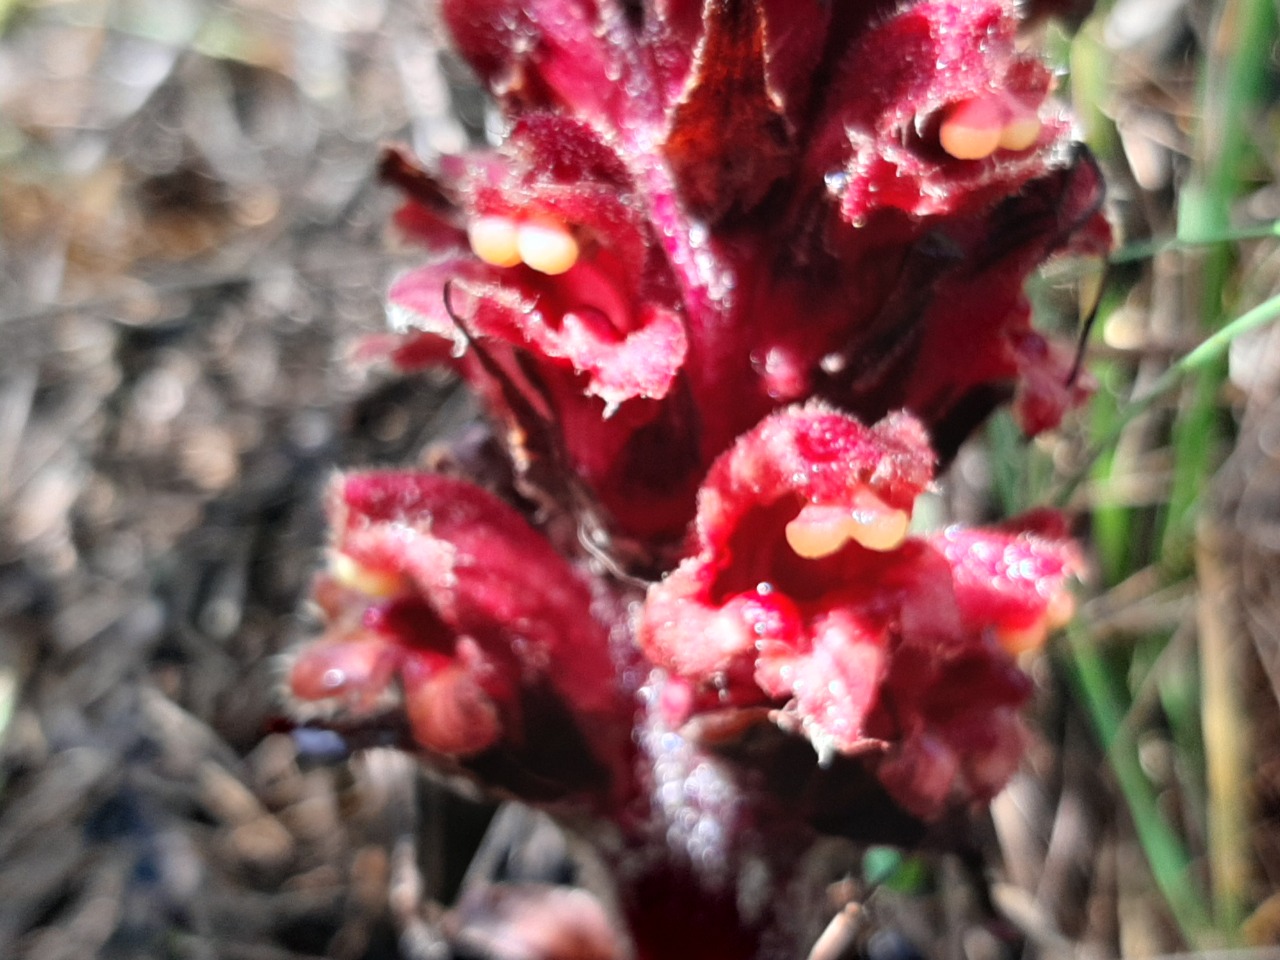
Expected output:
{"points": [[535, 54], [934, 69], [805, 593], [442, 588]]}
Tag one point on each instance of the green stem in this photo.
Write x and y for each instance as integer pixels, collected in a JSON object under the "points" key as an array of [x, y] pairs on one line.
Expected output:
{"points": [[1210, 350], [1146, 249]]}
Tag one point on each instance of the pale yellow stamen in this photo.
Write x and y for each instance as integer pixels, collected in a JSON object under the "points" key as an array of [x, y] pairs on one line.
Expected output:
{"points": [[547, 247], [972, 129], [353, 575], [1021, 132], [495, 240], [876, 525], [819, 531]]}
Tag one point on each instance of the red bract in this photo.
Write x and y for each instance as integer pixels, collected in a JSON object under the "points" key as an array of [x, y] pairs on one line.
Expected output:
{"points": [[805, 593], [704, 214]]}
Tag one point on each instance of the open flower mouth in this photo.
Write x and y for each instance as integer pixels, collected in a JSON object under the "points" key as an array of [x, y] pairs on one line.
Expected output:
{"points": [[981, 126], [975, 117], [820, 530], [563, 274], [804, 550], [797, 525], [976, 128], [561, 267], [806, 593], [810, 500]]}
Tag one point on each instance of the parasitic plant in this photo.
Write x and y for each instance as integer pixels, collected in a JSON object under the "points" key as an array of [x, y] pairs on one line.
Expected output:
{"points": [[740, 277]]}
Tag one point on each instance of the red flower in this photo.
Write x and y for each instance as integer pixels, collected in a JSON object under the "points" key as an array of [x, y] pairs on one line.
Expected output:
{"points": [[805, 593], [439, 591]]}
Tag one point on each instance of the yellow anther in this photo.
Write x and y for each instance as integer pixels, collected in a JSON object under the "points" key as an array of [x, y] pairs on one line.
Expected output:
{"points": [[971, 129], [814, 534], [819, 531], [876, 525], [1021, 132], [494, 240], [546, 246]]}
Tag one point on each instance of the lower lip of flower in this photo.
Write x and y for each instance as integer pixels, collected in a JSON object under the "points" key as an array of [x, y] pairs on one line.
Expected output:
{"points": [[448, 711], [357, 671]]}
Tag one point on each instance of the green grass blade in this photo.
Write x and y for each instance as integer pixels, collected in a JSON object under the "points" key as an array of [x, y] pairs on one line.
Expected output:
{"points": [[1211, 350], [1171, 864], [1146, 249]]}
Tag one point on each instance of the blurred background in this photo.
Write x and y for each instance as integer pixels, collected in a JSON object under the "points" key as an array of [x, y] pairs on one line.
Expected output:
{"points": [[191, 240]]}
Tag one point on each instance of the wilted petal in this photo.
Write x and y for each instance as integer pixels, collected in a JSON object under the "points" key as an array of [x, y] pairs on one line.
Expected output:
{"points": [[920, 774], [950, 725], [1049, 383]]}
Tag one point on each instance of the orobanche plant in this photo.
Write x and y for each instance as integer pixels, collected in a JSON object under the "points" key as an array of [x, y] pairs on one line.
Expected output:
{"points": [[741, 275]]}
